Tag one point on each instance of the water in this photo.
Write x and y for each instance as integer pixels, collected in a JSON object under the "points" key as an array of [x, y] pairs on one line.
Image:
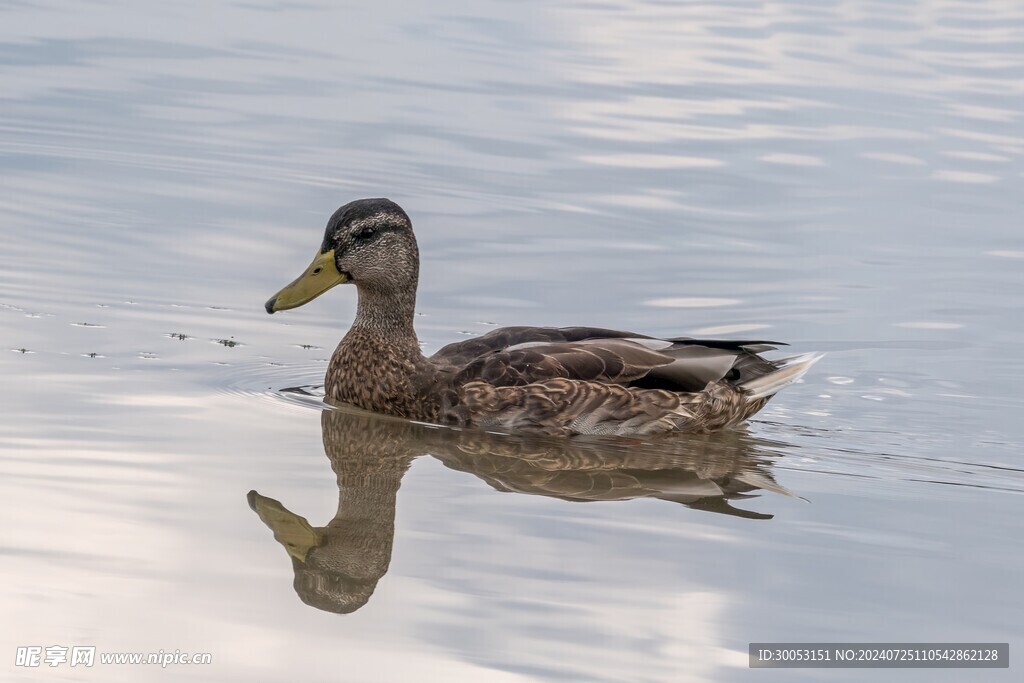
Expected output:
{"points": [[842, 176]]}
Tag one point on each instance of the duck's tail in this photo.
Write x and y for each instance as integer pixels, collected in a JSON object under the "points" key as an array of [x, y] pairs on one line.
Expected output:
{"points": [[788, 370]]}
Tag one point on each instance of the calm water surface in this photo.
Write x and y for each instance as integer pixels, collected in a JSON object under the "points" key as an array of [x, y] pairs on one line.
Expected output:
{"points": [[845, 176]]}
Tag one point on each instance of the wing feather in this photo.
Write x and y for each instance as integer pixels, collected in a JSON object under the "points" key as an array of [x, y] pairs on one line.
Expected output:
{"points": [[515, 356], [462, 353]]}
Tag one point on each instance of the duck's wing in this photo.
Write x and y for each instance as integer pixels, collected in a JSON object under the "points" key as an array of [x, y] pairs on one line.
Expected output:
{"points": [[460, 354], [517, 356]]}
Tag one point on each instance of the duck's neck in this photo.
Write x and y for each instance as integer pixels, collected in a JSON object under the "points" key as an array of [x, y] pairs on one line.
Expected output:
{"points": [[378, 365], [387, 316]]}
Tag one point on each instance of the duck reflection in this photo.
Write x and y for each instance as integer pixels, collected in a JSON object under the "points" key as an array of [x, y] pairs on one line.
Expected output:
{"points": [[337, 566]]}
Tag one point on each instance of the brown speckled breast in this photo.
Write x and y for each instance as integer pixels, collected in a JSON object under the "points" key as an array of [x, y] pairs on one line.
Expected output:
{"points": [[382, 377]]}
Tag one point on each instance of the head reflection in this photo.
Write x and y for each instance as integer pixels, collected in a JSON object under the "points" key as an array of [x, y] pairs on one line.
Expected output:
{"points": [[337, 566]]}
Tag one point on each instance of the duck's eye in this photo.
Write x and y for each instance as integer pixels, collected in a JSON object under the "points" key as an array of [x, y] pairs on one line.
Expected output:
{"points": [[366, 233]]}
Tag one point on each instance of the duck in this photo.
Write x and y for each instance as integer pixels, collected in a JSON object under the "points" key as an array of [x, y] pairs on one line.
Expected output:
{"points": [[561, 382]]}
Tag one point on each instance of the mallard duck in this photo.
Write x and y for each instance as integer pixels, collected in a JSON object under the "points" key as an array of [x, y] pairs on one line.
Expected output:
{"points": [[535, 380]]}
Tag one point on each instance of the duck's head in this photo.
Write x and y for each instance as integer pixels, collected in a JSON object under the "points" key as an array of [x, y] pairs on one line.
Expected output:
{"points": [[368, 242]]}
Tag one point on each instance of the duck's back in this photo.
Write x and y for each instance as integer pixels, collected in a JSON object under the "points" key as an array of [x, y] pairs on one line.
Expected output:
{"points": [[581, 380]]}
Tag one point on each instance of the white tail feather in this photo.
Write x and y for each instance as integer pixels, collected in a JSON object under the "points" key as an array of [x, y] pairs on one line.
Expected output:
{"points": [[790, 370]]}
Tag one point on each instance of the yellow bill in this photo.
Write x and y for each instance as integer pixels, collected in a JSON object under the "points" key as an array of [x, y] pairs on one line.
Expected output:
{"points": [[321, 275], [290, 530]]}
